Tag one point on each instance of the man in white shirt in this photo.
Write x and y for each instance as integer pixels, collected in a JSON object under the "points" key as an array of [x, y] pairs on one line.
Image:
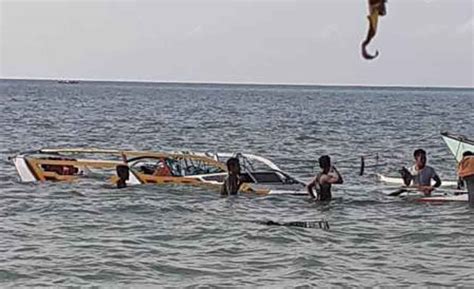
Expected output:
{"points": [[420, 175]]}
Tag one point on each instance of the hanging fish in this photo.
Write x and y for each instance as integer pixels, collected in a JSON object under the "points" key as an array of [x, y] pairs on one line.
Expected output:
{"points": [[376, 8]]}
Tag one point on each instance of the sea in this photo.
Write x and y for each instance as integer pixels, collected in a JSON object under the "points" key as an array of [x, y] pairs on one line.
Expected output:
{"points": [[89, 234]]}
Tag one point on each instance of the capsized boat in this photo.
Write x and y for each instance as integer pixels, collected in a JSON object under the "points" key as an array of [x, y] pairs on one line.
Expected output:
{"points": [[458, 144], [260, 175]]}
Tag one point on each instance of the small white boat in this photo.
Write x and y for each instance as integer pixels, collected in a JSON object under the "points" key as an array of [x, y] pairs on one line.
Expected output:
{"points": [[458, 144], [68, 81]]}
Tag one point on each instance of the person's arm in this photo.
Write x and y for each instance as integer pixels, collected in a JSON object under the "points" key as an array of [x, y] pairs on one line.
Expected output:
{"points": [[437, 180], [243, 186], [224, 188], [460, 183], [406, 176], [331, 178], [337, 179], [310, 186]]}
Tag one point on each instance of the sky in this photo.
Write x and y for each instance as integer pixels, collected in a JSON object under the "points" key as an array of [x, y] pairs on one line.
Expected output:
{"points": [[421, 42]]}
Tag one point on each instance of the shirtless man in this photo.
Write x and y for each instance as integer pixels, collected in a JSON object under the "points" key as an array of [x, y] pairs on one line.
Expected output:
{"points": [[420, 175], [324, 180]]}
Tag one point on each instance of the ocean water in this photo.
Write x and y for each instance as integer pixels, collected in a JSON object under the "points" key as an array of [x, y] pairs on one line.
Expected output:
{"points": [[89, 234]]}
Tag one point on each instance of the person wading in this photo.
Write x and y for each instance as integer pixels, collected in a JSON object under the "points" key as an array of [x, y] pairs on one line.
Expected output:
{"points": [[420, 175], [233, 181], [123, 173], [323, 181], [466, 174]]}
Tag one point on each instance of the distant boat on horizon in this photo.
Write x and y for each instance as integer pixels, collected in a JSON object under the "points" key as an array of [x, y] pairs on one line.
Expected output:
{"points": [[66, 81]]}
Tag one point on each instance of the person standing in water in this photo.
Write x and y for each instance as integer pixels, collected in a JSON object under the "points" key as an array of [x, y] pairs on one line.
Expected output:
{"points": [[233, 181], [465, 155], [324, 180], [420, 175], [123, 173], [466, 174]]}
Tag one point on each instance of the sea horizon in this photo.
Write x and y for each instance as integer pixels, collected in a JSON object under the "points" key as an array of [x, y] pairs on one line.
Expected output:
{"points": [[224, 83]]}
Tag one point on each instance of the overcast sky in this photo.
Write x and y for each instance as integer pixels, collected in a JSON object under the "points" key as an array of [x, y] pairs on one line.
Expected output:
{"points": [[421, 42]]}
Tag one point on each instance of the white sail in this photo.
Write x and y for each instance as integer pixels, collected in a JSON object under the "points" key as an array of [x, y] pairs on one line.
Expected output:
{"points": [[458, 144]]}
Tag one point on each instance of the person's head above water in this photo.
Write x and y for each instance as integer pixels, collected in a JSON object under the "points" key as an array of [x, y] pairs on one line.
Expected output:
{"points": [[420, 158], [467, 154], [325, 162], [233, 166], [123, 172]]}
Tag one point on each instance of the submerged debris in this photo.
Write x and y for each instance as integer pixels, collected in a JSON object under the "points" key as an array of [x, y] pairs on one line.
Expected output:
{"points": [[323, 224]]}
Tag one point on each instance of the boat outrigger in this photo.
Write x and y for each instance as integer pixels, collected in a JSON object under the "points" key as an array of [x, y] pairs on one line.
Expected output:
{"points": [[260, 175], [399, 181]]}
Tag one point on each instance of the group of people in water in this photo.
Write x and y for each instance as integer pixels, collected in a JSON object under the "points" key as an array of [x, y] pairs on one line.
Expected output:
{"points": [[420, 175], [322, 182]]}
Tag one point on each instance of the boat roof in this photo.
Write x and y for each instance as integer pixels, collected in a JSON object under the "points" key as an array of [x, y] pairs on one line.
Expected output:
{"points": [[217, 159], [80, 150]]}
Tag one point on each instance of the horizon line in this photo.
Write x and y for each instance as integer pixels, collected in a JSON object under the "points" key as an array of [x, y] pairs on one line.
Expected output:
{"points": [[234, 83]]}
